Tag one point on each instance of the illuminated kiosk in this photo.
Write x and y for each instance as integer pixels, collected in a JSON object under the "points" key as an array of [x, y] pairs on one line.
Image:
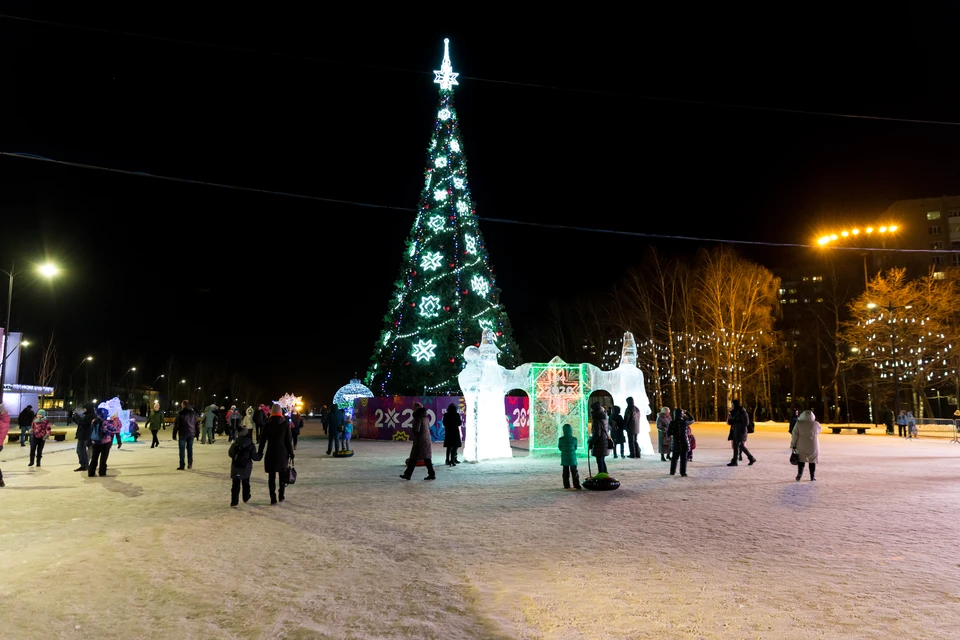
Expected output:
{"points": [[558, 392]]}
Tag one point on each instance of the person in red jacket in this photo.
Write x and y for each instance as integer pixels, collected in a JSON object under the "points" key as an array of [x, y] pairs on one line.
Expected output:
{"points": [[38, 436]]}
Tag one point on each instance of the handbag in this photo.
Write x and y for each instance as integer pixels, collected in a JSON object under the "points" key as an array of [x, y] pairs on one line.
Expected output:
{"points": [[290, 474], [609, 443], [794, 458]]}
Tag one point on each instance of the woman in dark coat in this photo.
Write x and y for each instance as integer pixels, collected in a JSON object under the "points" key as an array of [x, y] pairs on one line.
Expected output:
{"points": [[616, 430], [421, 449], [451, 434], [279, 443], [601, 433]]}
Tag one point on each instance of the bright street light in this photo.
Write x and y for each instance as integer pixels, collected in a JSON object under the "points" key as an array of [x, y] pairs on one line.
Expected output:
{"points": [[47, 270], [871, 305]]}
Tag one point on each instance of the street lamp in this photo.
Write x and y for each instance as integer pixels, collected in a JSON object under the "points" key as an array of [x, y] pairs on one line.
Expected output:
{"points": [[157, 378], [47, 270], [82, 362]]}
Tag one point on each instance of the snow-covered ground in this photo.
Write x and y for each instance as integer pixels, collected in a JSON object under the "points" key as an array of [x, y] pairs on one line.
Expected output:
{"points": [[495, 550]]}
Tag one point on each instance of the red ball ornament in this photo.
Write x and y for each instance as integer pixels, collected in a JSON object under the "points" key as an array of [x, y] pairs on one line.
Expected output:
{"points": [[446, 308], [453, 359], [465, 292], [413, 304], [414, 273], [451, 265], [406, 364], [499, 333]]}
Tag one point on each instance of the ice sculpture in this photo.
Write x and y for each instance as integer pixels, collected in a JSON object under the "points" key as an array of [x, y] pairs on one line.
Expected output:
{"points": [[115, 408], [484, 386], [623, 382]]}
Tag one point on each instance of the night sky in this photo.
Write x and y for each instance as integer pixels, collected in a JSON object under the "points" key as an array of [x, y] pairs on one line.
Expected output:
{"points": [[292, 291]]}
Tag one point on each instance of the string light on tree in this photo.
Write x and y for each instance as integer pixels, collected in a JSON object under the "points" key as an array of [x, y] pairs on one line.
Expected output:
{"points": [[444, 258]]}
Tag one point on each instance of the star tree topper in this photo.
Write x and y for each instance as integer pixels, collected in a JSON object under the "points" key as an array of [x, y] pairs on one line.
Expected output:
{"points": [[446, 78]]}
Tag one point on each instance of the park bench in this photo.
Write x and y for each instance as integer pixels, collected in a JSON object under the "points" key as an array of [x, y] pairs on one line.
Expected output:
{"points": [[59, 436], [13, 437], [860, 430]]}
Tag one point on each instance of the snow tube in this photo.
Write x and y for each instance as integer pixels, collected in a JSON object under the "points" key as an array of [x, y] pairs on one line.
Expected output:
{"points": [[342, 454], [601, 482], [420, 463]]}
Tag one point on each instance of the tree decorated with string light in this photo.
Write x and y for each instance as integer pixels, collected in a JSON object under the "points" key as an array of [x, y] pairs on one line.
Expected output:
{"points": [[446, 295], [901, 335]]}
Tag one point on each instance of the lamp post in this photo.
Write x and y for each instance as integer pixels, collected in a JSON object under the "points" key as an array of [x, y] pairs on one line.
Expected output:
{"points": [[70, 385], [48, 271], [896, 381]]}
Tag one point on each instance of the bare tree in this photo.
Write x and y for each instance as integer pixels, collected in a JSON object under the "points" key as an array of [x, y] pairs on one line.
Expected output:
{"points": [[47, 370]]}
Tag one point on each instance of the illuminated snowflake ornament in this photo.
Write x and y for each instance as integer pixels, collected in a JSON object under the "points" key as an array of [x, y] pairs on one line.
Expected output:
{"points": [[458, 183], [440, 162], [471, 242], [424, 350], [440, 194], [435, 222], [455, 146], [429, 306], [431, 260], [444, 114], [446, 78], [462, 206], [480, 286]]}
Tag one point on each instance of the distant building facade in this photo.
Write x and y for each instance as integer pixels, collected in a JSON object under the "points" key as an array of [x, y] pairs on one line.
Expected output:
{"points": [[16, 396], [931, 224]]}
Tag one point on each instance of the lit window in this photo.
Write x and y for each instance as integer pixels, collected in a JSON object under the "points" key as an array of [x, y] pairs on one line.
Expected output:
{"points": [[806, 301], [806, 278], [819, 299], [939, 275], [793, 301], [793, 290], [933, 215], [818, 278], [783, 301], [937, 245]]}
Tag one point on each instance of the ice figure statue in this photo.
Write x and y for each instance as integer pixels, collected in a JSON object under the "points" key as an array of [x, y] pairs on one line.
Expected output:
{"points": [[115, 408], [623, 382], [484, 386]]}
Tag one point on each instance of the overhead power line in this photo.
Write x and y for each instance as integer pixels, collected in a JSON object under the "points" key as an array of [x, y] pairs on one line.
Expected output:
{"points": [[354, 63], [542, 225]]}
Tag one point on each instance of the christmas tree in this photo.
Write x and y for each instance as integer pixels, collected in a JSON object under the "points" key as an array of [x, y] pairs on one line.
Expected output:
{"points": [[446, 295]]}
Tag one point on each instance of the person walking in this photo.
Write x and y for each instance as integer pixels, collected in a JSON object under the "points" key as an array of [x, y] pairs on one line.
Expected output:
{"points": [[332, 428], [155, 423], [297, 421], [739, 421], [186, 427], [452, 439], [911, 425], [806, 443], [38, 437], [4, 430], [209, 419], [279, 445], [631, 424], [600, 437], [794, 415], [259, 419], [103, 431], [902, 424], [25, 420], [421, 448], [663, 437], [243, 452], [568, 446], [679, 433], [84, 420], [234, 418]]}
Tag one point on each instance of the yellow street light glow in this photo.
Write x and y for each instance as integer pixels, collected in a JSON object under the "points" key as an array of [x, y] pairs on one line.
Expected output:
{"points": [[883, 229], [869, 229], [892, 228], [844, 233], [89, 357], [823, 240], [24, 343], [855, 231], [833, 236], [871, 305], [48, 270]]}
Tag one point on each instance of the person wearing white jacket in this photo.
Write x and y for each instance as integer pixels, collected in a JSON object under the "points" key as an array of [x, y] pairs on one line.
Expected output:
{"points": [[806, 443]]}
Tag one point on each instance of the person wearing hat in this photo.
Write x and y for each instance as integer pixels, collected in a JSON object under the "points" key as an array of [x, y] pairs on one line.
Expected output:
{"points": [[243, 452], [155, 423], [277, 439], [41, 429]]}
